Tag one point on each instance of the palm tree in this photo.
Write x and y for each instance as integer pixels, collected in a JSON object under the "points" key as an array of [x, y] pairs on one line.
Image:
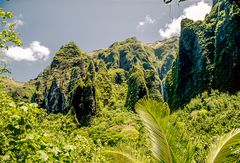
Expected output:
{"points": [[155, 116]]}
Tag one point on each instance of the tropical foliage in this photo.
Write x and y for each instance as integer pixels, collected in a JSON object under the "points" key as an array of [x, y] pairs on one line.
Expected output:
{"points": [[221, 151], [8, 35], [182, 136], [94, 96], [155, 117], [28, 133]]}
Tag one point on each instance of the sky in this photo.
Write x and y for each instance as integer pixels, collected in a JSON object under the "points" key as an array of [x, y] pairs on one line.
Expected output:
{"points": [[46, 25]]}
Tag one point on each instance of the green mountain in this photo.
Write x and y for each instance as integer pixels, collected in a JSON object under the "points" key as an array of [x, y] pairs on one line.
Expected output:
{"points": [[117, 76], [208, 56], [197, 75]]}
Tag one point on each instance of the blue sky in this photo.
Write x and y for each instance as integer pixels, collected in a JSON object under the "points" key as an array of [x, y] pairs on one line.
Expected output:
{"points": [[93, 24]]}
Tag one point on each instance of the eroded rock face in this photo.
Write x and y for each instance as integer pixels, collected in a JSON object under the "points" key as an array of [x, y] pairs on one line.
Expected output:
{"points": [[103, 78], [145, 66], [227, 44], [84, 103], [54, 99], [209, 56], [67, 84], [137, 88]]}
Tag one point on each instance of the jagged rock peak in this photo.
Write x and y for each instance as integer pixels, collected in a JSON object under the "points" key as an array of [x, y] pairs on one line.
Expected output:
{"points": [[70, 49], [131, 40], [66, 52], [157, 44]]}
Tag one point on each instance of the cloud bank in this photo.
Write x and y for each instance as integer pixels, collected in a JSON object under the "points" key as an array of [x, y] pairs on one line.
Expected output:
{"points": [[194, 12], [34, 52], [147, 20]]}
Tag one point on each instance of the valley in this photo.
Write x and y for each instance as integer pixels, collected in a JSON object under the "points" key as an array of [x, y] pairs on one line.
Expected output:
{"points": [[174, 100]]}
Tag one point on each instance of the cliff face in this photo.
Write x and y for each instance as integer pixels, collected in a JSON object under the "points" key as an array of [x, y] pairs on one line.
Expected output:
{"points": [[85, 83], [67, 84], [227, 59], [209, 56], [135, 69]]}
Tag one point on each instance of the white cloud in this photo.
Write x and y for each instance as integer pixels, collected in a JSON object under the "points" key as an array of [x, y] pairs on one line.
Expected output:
{"points": [[147, 20], [17, 20], [34, 52], [194, 12]]}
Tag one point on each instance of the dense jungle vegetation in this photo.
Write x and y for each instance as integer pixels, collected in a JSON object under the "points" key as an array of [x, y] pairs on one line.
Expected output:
{"points": [[171, 101]]}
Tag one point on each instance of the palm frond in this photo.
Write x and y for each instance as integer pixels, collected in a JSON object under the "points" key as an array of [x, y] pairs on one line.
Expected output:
{"points": [[190, 152], [154, 115], [120, 156], [220, 152]]}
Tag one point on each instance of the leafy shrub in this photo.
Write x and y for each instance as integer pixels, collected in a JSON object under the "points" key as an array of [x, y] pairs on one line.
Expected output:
{"points": [[28, 133], [204, 119]]}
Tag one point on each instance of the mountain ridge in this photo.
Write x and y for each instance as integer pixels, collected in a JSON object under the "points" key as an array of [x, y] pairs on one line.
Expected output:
{"points": [[117, 76]]}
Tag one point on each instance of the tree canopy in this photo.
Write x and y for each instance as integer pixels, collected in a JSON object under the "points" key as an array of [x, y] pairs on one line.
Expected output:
{"points": [[8, 35]]}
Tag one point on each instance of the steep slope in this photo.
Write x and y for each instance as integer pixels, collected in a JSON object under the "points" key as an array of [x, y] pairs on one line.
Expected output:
{"points": [[17, 90], [209, 55], [114, 77], [166, 53], [138, 66], [67, 83]]}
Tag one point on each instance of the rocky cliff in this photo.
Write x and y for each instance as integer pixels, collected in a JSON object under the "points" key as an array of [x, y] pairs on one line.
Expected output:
{"points": [[209, 55], [137, 68], [67, 84], [117, 76]]}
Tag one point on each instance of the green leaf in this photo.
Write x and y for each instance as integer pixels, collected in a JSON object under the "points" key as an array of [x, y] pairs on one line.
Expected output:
{"points": [[43, 155], [221, 152], [120, 156], [154, 115]]}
